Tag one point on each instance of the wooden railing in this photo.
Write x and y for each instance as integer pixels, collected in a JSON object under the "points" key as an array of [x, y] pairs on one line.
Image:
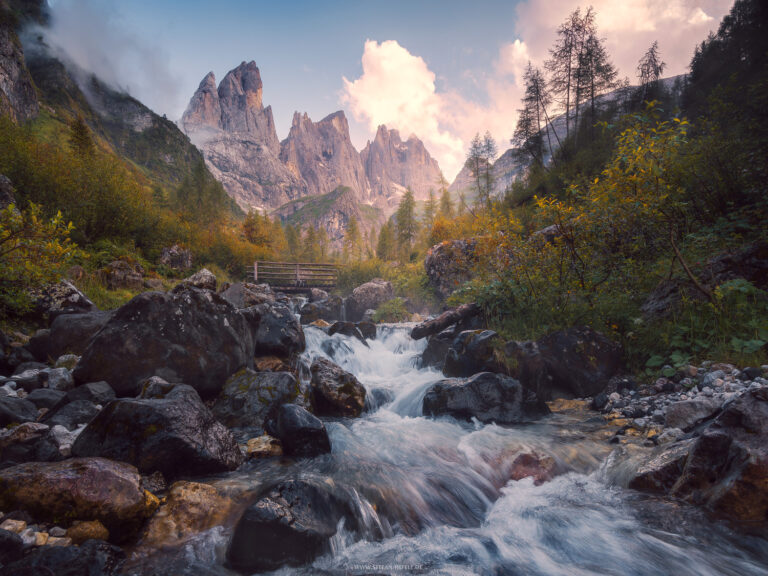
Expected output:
{"points": [[295, 276]]}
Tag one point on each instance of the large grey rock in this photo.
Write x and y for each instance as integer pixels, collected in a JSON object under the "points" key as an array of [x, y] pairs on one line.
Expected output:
{"points": [[247, 397], [174, 434], [573, 363], [16, 411], [190, 335], [471, 352], [449, 264], [486, 396], [369, 295], [300, 433], [687, 413], [203, 279], [334, 391], [91, 558], [61, 298], [18, 97], [328, 310], [122, 275], [71, 333], [279, 333], [445, 320], [290, 525], [244, 294], [176, 257]]}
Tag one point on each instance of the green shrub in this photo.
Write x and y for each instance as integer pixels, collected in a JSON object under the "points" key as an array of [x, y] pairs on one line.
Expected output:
{"points": [[392, 311]]}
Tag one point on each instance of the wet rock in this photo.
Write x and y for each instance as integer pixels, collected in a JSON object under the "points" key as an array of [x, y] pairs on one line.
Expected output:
{"points": [[659, 473], [248, 395], [92, 558], [59, 379], [80, 488], [600, 401], [279, 333], [289, 526], [686, 414], [16, 411], [329, 310], [540, 467], [122, 275], [80, 532], [11, 547], [437, 349], [175, 434], [347, 329], [448, 265], [271, 364], [369, 295], [189, 508], [367, 329], [445, 320], [334, 391], [486, 396], [191, 336], [300, 433], [573, 363], [204, 280], [471, 352], [71, 333], [265, 446], [377, 398], [176, 257], [72, 415]]}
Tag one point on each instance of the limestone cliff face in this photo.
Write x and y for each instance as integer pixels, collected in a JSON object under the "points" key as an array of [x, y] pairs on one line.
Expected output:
{"points": [[17, 92], [392, 165], [323, 154], [238, 139], [505, 171]]}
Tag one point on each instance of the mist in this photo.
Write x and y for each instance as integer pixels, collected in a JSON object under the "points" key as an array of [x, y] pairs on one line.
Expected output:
{"points": [[91, 35]]}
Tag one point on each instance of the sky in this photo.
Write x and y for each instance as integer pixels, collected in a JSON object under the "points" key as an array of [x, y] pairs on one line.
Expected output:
{"points": [[443, 70]]}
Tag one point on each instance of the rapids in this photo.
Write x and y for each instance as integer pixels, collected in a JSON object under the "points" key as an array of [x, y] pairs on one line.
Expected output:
{"points": [[432, 496]]}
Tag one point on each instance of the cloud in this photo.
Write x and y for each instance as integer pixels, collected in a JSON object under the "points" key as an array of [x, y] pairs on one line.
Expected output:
{"points": [[89, 33], [397, 88]]}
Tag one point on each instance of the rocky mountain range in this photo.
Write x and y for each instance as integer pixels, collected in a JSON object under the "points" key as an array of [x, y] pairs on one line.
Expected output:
{"points": [[237, 136]]}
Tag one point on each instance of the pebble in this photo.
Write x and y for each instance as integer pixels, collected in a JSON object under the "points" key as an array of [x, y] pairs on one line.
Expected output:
{"points": [[57, 532], [614, 397], [708, 392], [16, 526]]}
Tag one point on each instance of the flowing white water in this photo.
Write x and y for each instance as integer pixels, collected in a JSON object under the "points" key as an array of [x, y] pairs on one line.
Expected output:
{"points": [[433, 496]]}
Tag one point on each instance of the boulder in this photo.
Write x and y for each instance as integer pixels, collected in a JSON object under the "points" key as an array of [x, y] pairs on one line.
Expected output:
{"points": [[45, 397], [279, 333], [244, 294], [300, 433], [471, 352], [58, 379], [19, 443], [329, 310], [71, 415], [316, 295], [203, 279], [573, 363], [81, 532], [725, 468], [445, 320], [347, 329], [659, 474], [449, 264], [79, 489], [61, 298], [541, 468], [96, 392], [16, 411], [369, 295], [122, 275], [367, 329], [486, 396], [92, 558], [437, 349], [176, 257], [71, 333], [265, 446], [68, 361], [189, 509], [334, 391], [175, 434], [190, 335], [687, 413], [29, 379], [247, 396], [290, 525], [11, 547]]}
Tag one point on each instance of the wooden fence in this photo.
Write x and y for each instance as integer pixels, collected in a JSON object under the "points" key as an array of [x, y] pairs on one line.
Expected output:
{"points": [[295, 276]]}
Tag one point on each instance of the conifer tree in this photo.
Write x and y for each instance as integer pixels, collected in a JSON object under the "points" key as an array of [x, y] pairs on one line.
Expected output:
{"points": [[406, 222]]}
